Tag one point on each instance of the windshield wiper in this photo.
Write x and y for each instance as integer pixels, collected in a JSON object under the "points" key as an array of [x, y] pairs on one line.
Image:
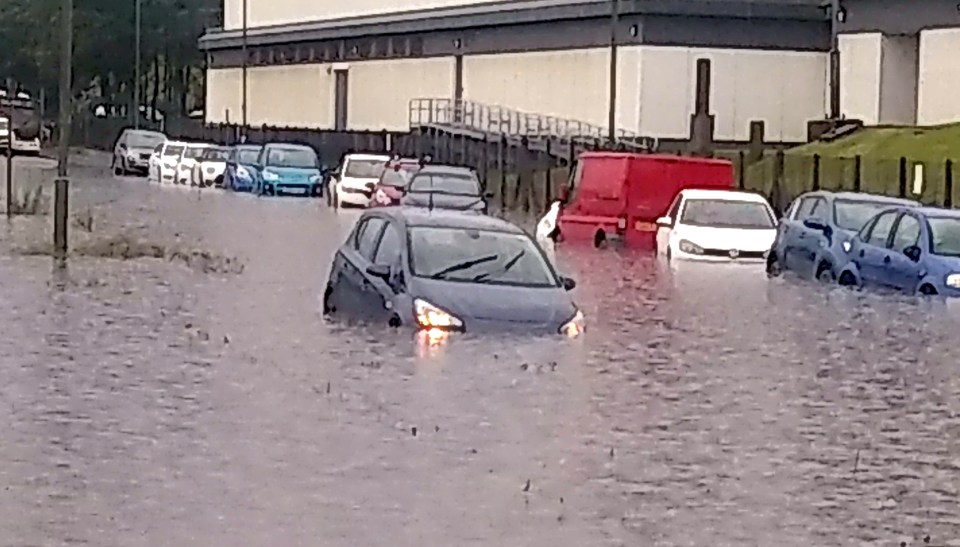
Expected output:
{"points": [[506, 267], [464, 265]]}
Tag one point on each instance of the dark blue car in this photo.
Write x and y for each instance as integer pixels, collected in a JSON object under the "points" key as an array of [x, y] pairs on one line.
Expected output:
{"points": [[448, 271], [913, 250], [814, 234], [241, 171]]}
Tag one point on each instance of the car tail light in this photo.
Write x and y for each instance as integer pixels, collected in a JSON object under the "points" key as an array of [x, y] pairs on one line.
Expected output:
{"points": [[621, 223]]}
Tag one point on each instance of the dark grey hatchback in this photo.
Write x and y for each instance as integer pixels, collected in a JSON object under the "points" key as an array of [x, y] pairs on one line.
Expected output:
{"points": [[448, 271], [446, 187]]}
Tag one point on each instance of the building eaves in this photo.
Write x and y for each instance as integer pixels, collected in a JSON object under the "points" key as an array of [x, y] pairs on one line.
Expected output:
{"points": [[506, 12]]}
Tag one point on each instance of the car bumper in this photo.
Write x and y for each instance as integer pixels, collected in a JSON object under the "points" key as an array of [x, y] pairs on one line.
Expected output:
{"points": [[292, 188], [354, 197], [137, 163]]}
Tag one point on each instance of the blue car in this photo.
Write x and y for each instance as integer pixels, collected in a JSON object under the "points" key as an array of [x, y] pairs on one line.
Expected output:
{"points": [[813, 233], [442, 271], [913, 250], [240, 174], [289, 169]]}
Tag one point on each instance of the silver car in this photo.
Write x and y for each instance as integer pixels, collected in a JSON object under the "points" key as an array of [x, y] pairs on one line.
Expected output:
{"points": [[132, 152]]}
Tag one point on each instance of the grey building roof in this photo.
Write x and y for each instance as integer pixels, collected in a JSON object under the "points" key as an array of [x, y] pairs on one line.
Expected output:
{"points": [[507, 12]]}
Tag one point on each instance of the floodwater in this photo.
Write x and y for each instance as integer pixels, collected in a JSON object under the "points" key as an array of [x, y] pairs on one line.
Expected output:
{"points": [[177, 402]]}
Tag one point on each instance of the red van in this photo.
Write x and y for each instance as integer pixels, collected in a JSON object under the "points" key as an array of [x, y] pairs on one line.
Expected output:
{"points": [[621, 195]]}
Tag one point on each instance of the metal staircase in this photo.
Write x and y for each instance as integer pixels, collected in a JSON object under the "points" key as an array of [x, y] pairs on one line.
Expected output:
{"points": [[489, 122]]}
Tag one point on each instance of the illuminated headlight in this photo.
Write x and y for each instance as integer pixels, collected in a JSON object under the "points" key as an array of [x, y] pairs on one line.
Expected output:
{"points": [[690, 248], [846, 246], [270, 176], [432, 317], [242, 173], [574, 327], [953, 281]]}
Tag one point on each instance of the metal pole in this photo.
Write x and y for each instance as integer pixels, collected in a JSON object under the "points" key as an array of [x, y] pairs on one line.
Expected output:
{"points": [[614, 22], [61, 186], [136, 78], [243, 104], [10, 169], [834, 60]]}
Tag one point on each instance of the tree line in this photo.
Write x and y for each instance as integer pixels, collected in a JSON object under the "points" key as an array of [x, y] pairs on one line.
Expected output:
{"points": [[104, 56]]}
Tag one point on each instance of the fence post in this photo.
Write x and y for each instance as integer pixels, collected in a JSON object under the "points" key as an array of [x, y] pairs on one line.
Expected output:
{"points": [[948, 185], [548, 190], [502, 165], [742, 175], [857, 166], [10, 170], [776, 197], [903, 177], [816, 172], [463, 149]]}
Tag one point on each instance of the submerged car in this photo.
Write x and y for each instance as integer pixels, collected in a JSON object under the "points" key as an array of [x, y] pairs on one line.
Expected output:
{"points": [[717, 226], [131, 153], [816, 230], [210, 167], [446, 187], [448, 271], [163, 166], [393, 181], [288, 169], [189, 159], [354, 182], [240, 174], [915, 250]]}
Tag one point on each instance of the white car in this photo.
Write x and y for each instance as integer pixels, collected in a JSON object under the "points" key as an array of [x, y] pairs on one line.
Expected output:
{"points": [[192, 152], [163, 163], [20, 145], [357, 177], [131, 153], [717, 226], [210, 168]]}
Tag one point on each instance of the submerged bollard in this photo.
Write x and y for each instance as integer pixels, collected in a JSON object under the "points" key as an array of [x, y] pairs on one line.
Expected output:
{"points": [[9, 173], [60, 208]]}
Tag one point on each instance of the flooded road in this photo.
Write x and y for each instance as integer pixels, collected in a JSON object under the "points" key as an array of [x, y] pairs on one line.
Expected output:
{"points": [[186, 400]]}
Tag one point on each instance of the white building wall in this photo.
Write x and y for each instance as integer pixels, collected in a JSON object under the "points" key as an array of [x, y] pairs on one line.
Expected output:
{"points": [[282, 96], [898, 80], [380, 91], [939, 77], [860, 74], [278, 12]]}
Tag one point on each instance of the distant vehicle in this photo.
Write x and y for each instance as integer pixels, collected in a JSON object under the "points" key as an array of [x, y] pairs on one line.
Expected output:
{"points": [[620, 195], [189, 158], [20, 145], [240, 175], [131, 153], [210, 167], [393, 181], [818, 226], [915, 250], [163, 168], [446, 187], [288, 169], [353, 182], [717, 226], [448, 271]]}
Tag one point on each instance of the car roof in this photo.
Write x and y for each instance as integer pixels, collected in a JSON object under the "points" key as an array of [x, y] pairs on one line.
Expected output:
{"points": [[176, 143], [375, 157], [729, 195], [198, 145], [937, 212], [445, 218], [144, 132], [863, 196], [444, 169]]}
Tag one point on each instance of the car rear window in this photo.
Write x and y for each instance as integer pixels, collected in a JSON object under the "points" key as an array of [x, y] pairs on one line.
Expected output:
{"points": [[364, 169], [720, 213], [396, 179], [173, 151], [944, 235], [460, 185]]}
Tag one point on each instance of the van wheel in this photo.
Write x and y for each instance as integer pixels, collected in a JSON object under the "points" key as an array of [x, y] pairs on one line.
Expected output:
{"points": [[599, 238], [825, 273], [395, 322], [847, 280], [928, 290]]}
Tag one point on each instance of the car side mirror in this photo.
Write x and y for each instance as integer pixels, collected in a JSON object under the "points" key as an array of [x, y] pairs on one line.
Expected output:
{"points": [[913, 253], [568, 283], [665, 222], [379, 270]]}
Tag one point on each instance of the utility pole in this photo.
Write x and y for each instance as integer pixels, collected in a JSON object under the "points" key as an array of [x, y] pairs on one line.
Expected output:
{"points": [[136, 78], [836, 17], [614, 23], [243, 103], [62, 185]]}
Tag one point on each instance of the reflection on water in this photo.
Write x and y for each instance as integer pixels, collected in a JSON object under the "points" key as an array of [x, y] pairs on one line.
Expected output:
{"points": [[145, 402]]}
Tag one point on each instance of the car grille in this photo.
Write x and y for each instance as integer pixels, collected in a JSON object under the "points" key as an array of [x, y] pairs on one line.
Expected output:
{"points": [[727, 253]]}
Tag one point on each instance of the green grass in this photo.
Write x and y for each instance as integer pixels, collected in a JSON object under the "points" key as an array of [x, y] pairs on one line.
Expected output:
{"points": [[926, 144]]}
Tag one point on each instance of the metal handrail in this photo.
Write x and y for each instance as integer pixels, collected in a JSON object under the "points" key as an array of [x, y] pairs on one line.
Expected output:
{"points": [[494, 119]]}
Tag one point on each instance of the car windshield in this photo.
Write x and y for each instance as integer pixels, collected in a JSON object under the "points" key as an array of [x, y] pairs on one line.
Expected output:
{"points": [[364, 169], [215, 154], [172, 151], [193, 152], [297, 158], [248, 156], [852, 215], [144, 140], [723, 213], [396, 179], [461, 185], [944, 235], [478, 256]]}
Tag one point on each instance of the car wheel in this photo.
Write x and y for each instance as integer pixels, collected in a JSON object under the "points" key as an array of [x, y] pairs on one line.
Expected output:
{"points": [[825, 274], [599, 238], [847, 280], [928, 290], [328, 307], [395, 322], [774, 269]]}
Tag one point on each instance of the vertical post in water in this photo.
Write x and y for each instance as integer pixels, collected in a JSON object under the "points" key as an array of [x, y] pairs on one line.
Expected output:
{"points": [[136, 77], [61, 186], [243, 77], [612, 106], [10, 170]]}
